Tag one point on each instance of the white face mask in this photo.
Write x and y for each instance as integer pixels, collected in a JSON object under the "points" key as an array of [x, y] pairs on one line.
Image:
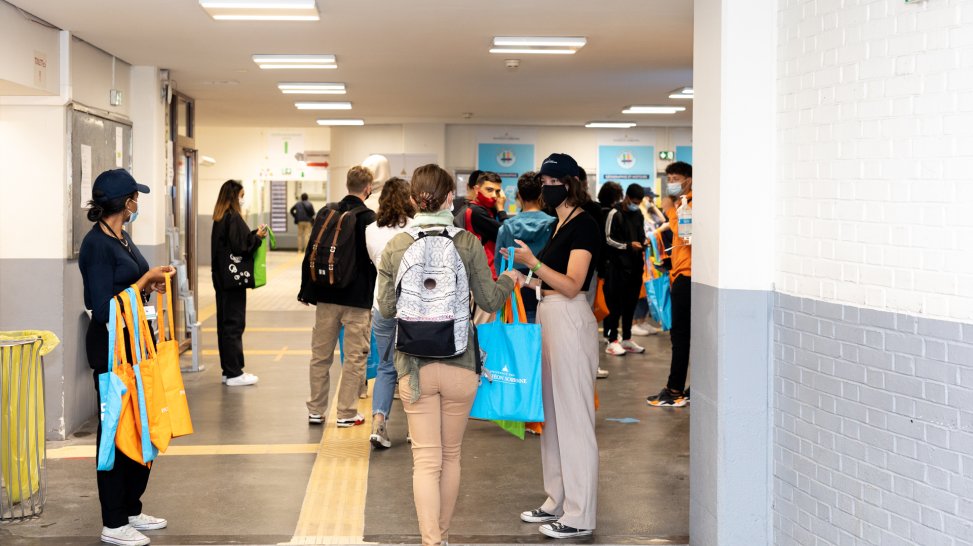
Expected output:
{"points": [[243, 203]]}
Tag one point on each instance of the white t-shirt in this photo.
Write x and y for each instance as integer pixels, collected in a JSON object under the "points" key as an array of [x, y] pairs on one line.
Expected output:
{"points": [[375, 240]]}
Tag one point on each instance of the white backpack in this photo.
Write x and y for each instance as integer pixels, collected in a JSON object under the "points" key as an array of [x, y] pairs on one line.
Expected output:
{"points": [[432, 294]]}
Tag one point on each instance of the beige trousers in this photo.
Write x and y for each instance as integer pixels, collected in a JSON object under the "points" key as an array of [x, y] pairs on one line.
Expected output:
{"points": [[569, 450], [328, 319], [437, 422], [303, 234]]}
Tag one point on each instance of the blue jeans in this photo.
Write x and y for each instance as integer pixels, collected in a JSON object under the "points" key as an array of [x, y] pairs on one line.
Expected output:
{"points": [[386, 377]]}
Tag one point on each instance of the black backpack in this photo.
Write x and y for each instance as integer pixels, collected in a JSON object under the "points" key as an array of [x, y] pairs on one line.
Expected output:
{"points": [[333, 252]]}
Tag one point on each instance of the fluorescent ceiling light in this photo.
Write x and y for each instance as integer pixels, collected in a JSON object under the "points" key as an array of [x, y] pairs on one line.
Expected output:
{"points": [[576, 42], [530, 51], [683, 93], [261, 10], [312, 88], [283, 62], [653, 109], [538, 45], [610, 124], [341, 122], [323, 105]]}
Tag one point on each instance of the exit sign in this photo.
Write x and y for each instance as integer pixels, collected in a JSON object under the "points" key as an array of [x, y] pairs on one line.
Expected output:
{"points": [[667, 156]]}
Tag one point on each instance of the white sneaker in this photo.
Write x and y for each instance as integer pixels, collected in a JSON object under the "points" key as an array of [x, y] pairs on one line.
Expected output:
{"points": [[630, 346], [126, 535], [615, 349], [645, 329], [145, 522], [242, 380], [603, 373]]}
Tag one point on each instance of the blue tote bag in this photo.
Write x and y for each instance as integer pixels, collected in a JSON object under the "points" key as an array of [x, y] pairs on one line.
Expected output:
{"points": [[110, 391], [658, 290], [510, 386], [371, 365]]}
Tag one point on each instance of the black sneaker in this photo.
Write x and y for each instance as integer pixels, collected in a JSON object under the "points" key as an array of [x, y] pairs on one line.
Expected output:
{"points": [[667, 398], [537, 516], [560, 530]]}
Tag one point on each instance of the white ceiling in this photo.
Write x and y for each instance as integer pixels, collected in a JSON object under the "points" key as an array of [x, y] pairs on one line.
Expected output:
{"points": [[407, 60]]}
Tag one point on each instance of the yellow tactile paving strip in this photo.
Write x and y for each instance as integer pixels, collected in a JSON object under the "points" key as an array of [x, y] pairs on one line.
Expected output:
{"points": [[88, 451], [334, 504]]}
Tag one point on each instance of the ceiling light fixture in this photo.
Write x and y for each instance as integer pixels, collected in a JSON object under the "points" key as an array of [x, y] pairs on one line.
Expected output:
{"points": [[348, 122], [653, 109], [610, 124], [323, 105], [261, 10], [309, 62], [682, 93], [312, 88], [538, 45]]}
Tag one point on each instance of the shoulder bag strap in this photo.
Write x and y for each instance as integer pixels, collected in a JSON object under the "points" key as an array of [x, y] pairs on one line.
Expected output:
{"points": [[317, 242]]}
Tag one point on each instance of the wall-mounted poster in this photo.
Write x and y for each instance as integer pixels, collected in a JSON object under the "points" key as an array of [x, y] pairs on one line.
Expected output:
{"points": [[684, 154], [626, 165], [509, 161]]}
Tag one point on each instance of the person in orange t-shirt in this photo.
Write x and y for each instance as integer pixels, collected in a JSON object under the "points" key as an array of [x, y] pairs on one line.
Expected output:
{"points": [[675, 394]]}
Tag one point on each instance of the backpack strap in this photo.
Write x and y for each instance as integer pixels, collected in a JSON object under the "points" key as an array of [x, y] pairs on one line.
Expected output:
{"points": [[317, 242], [334, 242]]}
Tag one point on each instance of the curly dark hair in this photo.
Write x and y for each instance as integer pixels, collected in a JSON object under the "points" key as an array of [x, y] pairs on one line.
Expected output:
{"points": [[395, 204]]}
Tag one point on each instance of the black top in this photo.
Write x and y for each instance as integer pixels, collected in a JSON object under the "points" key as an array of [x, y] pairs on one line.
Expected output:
{"points": [[303, 211], [580, 233], [361, 291], [107, 268], [230, 235], [486, 223], [623, 227]]}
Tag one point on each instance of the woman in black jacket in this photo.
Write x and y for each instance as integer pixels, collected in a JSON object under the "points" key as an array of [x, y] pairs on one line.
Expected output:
{"points": [[233, 245]]}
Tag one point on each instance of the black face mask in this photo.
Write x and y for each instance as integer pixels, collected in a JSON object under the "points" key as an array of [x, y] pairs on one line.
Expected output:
{"points": [[554, 194]]}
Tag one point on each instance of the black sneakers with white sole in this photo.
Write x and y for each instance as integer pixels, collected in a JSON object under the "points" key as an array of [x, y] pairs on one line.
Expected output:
{"points": [[559, 530], [537, 516]]}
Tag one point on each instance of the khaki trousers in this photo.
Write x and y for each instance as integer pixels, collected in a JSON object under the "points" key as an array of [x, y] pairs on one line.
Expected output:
{"points": [[303, 234], [437, 422], [328, 319], [569, 450]]}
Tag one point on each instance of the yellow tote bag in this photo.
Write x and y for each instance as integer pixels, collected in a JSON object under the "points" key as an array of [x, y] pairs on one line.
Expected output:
{"points": [[157, 409], [167, 357], [128, 438]]}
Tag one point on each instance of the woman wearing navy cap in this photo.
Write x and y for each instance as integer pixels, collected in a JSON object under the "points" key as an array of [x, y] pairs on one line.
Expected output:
{"points": [[563, 269], [110, 262]]}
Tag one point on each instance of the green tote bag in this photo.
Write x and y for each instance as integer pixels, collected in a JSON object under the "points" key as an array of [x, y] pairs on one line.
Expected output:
{"points": [[260, 259]]}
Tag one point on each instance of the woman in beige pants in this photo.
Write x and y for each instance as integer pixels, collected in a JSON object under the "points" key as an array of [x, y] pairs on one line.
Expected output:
{"points": [[437, 394], [569, 450]]}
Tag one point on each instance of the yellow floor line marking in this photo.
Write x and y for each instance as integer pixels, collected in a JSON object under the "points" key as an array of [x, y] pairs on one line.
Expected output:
{"points": [[264, 352], [334, 504], [205, 313], [268, 329], [88, 451], [281, 354]]}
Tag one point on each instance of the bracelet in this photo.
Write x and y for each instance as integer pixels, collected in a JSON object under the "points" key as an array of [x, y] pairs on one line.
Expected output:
{"points": [[536, 267]]}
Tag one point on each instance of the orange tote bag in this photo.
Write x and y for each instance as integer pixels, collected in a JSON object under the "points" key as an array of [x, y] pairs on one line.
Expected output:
{"points": [[167, 355]]}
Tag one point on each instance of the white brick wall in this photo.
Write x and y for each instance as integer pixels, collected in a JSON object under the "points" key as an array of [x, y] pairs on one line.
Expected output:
{"points": [[875, 149]]}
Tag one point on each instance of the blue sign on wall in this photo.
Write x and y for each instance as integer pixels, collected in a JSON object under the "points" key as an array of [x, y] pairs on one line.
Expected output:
{"points": [[509, 161], [684, 154], [626, 165]]}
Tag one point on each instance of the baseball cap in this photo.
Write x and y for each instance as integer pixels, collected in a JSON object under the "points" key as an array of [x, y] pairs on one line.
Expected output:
{"points": [[114, 184], [559, 166]]}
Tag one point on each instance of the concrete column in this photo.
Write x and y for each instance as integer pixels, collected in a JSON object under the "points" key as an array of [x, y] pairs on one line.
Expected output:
{"points": [[149, 161], [733, 244]]}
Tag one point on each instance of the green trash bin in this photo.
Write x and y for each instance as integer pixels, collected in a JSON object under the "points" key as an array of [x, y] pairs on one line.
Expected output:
{"points": [[23, 483]]}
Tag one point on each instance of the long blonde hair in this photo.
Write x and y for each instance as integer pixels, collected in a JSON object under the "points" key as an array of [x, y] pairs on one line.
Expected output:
{"points": [[228, 199]]}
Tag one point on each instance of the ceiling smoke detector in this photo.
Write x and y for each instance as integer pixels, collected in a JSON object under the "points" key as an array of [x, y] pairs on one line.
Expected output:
{"points": [[512, 64]]}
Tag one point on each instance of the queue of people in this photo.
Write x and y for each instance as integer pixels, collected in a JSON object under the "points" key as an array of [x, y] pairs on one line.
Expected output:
{"points": [[559, 242]]}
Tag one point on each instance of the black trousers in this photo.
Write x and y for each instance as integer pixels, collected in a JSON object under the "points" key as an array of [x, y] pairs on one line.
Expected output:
{"points": [[682, 291], [231, 321], [622, 289], [119, 489]]}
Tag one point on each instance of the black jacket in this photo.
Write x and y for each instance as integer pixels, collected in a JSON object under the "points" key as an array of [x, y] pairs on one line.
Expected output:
{"points": [[302, 211], [230, 235], [622, 228], [361, 291], [486, 223]]}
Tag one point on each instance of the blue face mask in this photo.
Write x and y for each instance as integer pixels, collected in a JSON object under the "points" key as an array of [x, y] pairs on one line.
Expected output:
{"points": [[674, 189], [633, 207], [133, 217]]}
